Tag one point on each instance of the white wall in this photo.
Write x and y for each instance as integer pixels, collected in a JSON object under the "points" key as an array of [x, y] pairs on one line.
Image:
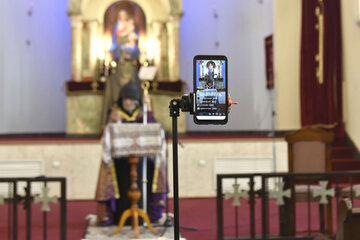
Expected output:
{"points": [[240, 29], [32, 75]]}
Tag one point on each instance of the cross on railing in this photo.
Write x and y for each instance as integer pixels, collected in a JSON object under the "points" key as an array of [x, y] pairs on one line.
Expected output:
{"points": [[357, 192], [323, 192], [280, 193], [45, 199], [236, 194]]}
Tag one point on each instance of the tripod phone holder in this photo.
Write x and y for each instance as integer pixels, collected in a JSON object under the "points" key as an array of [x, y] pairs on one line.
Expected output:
{"points": [[186, 104]]}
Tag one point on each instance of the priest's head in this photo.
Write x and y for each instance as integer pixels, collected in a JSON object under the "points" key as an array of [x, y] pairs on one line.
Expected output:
{"points": [[129, 97]]}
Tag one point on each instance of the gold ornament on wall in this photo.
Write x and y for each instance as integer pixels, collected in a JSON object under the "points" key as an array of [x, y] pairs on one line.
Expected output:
{"points": [[319, 57]]}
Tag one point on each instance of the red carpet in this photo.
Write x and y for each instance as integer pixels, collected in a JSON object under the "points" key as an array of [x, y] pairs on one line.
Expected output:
{"points": [[197, 219], [76, 223]]}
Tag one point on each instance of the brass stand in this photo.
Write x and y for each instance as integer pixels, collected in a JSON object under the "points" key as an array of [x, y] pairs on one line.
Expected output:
{"points": [[134, 195]]}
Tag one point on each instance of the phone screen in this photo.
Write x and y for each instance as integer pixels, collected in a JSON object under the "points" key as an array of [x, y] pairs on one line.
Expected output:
{"points": [[210, 87]]}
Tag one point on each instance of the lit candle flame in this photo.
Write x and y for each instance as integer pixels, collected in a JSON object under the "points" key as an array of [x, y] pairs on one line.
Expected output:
{"points": [[151, 48]]}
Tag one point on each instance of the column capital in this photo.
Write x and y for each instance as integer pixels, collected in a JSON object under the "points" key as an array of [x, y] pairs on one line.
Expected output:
{"points": [[157, 23], [174, 21], [76, 20], [157, 27], [91, 24], [176, 16]]}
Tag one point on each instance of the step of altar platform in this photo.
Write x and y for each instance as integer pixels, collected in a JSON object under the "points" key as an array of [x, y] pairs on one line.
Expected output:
{"points": [[105, 233], [344, 158], [345, 164], [342, 152], [344, 155], [340, 142]]}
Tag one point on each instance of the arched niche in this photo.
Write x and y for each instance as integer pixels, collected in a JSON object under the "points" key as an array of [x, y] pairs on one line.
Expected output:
{"points": [[154, 10], [133, 10], [162, 27], [134, 13], [87, 18]]}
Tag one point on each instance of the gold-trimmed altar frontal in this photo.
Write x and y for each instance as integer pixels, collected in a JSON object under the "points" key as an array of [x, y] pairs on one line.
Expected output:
{"points": [[84, 105]]}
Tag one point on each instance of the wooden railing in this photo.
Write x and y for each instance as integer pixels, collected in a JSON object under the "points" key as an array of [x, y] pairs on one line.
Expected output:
{"points": [[10, 203], [274, 193]]}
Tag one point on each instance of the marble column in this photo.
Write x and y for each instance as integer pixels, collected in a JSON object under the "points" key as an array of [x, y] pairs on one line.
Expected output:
{"points": [[92, 51], [157, 28], [173, 26], [76, 51]]}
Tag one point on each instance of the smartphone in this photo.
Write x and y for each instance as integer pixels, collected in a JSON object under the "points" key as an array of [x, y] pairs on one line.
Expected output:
{"points": [[210, 89]]}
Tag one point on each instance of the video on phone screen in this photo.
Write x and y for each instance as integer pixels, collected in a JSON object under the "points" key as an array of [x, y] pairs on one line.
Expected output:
{"points": [[210, 89]]}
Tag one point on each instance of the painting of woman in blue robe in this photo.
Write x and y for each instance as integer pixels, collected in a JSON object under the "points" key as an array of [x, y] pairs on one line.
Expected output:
{"points": [[125, 22], [125, 38]]}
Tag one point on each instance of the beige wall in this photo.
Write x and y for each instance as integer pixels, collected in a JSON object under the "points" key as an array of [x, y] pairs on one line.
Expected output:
{"points": [[79, 162], [287, 22], [351, 69], [197, 162]]}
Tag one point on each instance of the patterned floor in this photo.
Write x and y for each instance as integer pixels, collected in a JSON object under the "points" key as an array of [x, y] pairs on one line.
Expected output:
{"points": [[104, 233]]}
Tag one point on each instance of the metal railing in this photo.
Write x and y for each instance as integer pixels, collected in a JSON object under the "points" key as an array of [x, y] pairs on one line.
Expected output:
{"points": [[11, 201], [275, 192]]}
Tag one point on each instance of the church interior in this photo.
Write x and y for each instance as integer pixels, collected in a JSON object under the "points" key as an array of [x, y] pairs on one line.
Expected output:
{"points": [[87, 139]]}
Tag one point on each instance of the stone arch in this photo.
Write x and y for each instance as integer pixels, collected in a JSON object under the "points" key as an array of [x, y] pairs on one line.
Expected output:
{"points": [[133, 9], [151, 8]]}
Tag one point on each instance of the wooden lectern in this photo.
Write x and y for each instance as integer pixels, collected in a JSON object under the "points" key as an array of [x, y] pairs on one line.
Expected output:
{"points": [[135, 140]]}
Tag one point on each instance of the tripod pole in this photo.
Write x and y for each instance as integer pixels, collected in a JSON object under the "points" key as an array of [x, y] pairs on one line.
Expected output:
{"points": [[174, 113], [186, 105], [175, 179]]}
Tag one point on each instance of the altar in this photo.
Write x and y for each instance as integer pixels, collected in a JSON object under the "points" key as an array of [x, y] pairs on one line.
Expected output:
{"points": [[111, 40]]}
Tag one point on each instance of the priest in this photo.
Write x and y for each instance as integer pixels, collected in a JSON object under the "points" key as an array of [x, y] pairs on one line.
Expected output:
{"points": [[114, 177]]}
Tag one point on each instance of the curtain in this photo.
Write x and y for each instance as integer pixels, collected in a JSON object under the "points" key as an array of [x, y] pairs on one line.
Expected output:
{"points": [[321, 103]]}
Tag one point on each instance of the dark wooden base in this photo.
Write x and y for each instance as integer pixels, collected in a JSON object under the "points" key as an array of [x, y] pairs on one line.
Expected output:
{"points": [[134, 195]]}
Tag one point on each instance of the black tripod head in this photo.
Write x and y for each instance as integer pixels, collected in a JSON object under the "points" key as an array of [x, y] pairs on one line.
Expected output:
{"points": [[185, 103]]}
